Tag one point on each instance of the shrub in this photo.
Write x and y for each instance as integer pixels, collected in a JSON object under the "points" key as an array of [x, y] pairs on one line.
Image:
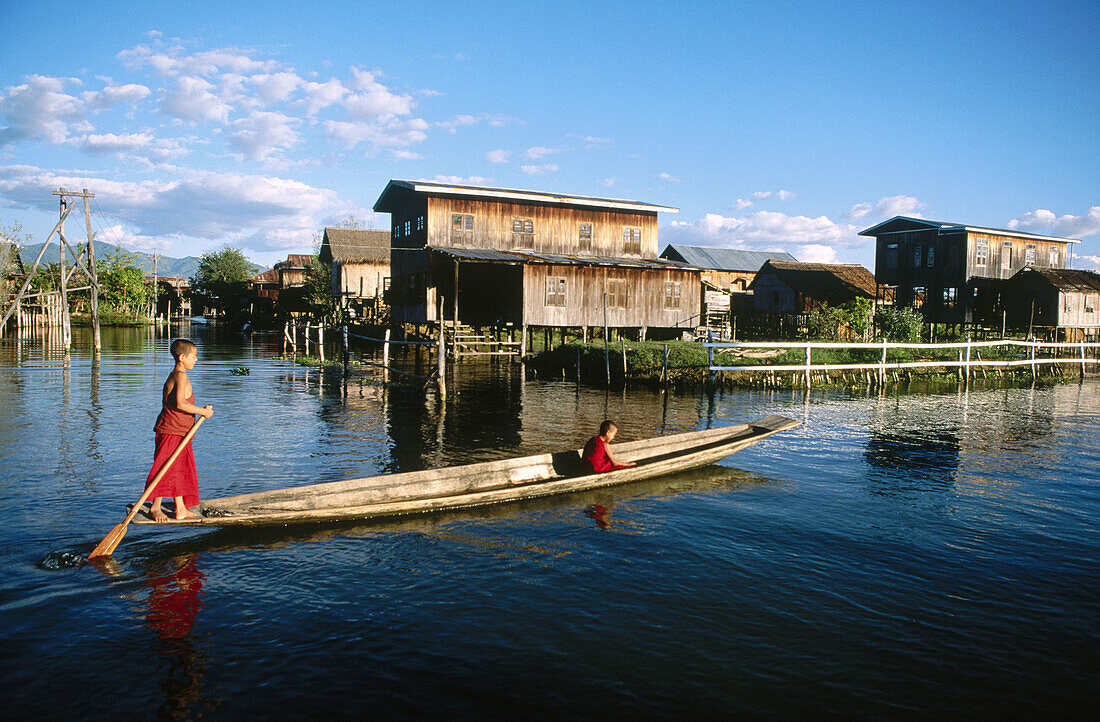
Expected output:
{"points": [[901, 325]]}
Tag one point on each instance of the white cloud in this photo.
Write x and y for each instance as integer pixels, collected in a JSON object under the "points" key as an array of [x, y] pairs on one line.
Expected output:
{"points": [[174, 61], [256, 212], [384, 134], [459, 121], [473, 180], [890, 206], [668, 178], [498, 156], [190, 98], [274, 88], [767, 230], [39, 108], [402, 154], [375, 101], [261, 134], [741, 204], [608, 182], [539, 169], [540, 152], [1067, 226], [1088, 263], [814, 253], [321, 95], [110, 144], [113, 95], [781, 195], [591, 141]]}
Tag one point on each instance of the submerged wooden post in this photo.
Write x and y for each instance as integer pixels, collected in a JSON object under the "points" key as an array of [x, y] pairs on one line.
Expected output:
{"points": [[664, 367], [321, 340], [345, 349], [967, 372], [386, 350], [441, 368], [882, 365], [622, 346], [1082, 360]]}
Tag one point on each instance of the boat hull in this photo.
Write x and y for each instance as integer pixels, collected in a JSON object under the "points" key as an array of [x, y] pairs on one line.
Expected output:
{"points": [[491, 482]]}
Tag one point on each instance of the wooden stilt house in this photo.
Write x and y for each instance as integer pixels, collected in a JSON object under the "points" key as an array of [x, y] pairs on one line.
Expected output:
{"points": [[494, 256]]}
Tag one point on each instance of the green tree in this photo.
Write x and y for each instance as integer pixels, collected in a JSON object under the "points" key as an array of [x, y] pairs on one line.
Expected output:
{"points": [[317, 293], [123, 283], [221, 280]]}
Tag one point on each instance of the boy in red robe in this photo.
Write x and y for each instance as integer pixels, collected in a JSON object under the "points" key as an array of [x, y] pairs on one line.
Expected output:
{"points": [[175, 420], [598, 454]]}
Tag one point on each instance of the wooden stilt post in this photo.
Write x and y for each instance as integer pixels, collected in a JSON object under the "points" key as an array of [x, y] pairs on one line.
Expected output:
{"points": [[386, 354], [441, 361], [664, 368], [808, 359], [321, 341], [66, 330], [622, 347], [345, 349]]}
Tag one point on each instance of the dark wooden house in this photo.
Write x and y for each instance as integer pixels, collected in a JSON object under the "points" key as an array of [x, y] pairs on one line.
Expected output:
{"points": [[1054, 299], [360, 260], [792, 287], [494, 256], [953, 272], [292, 271]]}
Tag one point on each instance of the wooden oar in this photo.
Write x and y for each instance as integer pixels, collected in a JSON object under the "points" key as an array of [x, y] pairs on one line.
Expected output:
{"points": [[107, 546]]}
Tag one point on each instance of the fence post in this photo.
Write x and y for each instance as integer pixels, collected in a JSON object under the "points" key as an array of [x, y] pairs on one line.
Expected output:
{"points": [[1033, 374], [441, 367], [622, 346], [967, 359], [710, 365], [1082, 360], [664, 365], [321, 341], [808, 361]]}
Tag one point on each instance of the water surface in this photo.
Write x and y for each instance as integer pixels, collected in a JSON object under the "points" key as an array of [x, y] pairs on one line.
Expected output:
{"points": [[908, 554]]}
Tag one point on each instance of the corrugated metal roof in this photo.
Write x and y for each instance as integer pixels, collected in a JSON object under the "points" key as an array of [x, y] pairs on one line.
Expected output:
{"points": [[943, 227], [723, 259], [509, 194], [494, 256]]}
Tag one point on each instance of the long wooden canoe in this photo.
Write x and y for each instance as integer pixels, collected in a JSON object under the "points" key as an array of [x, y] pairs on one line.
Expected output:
{"points": [[487, 482]]}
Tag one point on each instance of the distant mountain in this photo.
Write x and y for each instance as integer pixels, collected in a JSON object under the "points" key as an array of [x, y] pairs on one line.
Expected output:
{"points": [[166, 266]]}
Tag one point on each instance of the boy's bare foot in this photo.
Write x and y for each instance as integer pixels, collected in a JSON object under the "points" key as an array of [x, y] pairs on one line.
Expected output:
{"points": [[158, 515], [184, 513]]}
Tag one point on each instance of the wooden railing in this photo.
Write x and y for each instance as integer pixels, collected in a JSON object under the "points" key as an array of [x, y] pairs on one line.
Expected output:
{"points": [[969, 356]]}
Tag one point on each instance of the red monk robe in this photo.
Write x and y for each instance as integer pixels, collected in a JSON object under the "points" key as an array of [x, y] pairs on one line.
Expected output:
{"points": [[595, 453], [182, 478]]}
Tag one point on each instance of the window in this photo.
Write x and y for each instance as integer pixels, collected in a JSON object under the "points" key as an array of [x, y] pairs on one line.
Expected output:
{"points": [[1053, 257], [1089, 305], [1006, 254], [950, 297], [555, 291], [462, 228], [892, 255], [981, 252], [672, 295], [931, 255], [616, 293], [1068, 302], [523, 233], [916, 256], [1029, 255], [584, 237], [632, 241], [918, 296], [408, 228], [420, 223]]}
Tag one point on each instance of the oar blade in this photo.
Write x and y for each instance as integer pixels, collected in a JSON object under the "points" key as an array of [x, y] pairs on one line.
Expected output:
{"points": [[107, 547]]}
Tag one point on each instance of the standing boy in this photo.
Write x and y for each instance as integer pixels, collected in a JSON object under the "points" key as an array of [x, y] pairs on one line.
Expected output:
{"points": [[175, 420]]}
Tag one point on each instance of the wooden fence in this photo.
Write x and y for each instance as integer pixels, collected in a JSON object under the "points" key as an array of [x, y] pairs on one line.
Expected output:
{"points": [[968, 357]]}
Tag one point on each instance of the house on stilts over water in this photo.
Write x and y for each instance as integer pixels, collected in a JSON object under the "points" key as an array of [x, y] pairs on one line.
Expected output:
{"points": [[494, 257]]}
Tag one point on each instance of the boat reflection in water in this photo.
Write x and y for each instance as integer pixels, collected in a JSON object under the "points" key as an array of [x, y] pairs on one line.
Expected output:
{"points": [[712, 478]]}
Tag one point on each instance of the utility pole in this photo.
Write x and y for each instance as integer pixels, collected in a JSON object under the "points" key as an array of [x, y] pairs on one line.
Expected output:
{"points": [[92, 270], [66, 323], [66, 328], [156, 257]]}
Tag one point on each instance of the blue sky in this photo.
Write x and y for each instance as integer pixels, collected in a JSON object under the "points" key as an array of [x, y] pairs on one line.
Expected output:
{"points": [[771, 126]]}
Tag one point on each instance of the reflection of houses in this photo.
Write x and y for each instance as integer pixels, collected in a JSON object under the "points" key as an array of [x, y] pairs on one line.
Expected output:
{"points": [[791, 287], [1063, 298], [949, 270], [494, 256], [360, 264]]}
